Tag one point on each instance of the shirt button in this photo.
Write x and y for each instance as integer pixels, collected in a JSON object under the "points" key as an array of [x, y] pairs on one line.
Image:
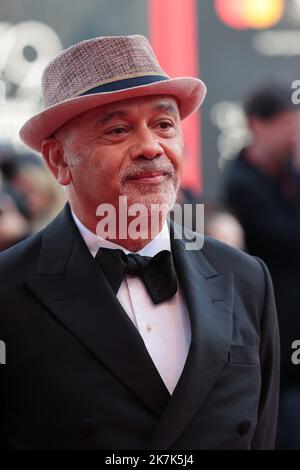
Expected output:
{"points": [[149, 328]]}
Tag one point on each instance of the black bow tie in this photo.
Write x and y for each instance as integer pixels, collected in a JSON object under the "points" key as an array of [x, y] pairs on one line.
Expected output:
{"points": [[157, 273]]}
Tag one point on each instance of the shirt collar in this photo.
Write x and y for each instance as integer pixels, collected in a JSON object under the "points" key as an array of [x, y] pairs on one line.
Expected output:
{"points": [[94, 242]]}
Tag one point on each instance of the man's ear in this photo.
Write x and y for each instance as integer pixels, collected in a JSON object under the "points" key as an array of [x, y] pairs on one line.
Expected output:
{"points": [[53, 153]]}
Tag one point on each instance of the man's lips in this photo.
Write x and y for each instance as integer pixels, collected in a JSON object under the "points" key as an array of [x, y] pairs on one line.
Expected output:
{"points": [[149, 177]]}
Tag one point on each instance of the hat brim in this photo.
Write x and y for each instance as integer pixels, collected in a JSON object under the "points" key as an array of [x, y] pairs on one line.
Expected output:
{"points": [[189, 92]]}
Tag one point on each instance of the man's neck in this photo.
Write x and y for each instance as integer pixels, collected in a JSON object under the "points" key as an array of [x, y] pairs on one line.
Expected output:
{"points": [[128, 236]]}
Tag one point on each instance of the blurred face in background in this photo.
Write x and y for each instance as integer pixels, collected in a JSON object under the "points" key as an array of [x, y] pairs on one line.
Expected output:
{"points": [[34, 185], [277, 137]]}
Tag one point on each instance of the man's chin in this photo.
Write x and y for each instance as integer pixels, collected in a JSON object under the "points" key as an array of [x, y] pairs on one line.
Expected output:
{"points": [[150, 201], [148, 194]]}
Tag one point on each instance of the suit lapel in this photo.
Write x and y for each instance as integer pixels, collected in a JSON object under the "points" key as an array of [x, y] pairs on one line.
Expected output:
{"points": [[70, 284], [208, 296]]}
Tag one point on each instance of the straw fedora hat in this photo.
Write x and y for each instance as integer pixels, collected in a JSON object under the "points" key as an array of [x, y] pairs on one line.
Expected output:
{"points": [[100, 71]]}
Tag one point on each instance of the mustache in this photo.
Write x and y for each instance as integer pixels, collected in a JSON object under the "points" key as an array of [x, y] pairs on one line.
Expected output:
{"points": [[138, 168]]}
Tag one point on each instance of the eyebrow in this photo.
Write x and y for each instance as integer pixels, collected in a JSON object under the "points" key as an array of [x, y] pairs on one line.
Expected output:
{"points": [[163, 106]]}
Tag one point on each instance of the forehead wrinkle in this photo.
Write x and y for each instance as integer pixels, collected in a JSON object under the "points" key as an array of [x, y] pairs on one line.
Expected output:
{"points": [[108, 116], [166, 106]]}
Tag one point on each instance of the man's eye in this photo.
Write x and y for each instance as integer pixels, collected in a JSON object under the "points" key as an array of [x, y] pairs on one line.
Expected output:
{"points": [[165, 125], [117, 131]]}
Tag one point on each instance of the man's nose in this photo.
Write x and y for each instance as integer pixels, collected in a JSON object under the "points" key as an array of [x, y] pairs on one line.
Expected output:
{"points": [[146, 145]]}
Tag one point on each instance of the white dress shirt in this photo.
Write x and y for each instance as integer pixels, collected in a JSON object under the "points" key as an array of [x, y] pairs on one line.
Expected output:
{"points": [[165, 327]]}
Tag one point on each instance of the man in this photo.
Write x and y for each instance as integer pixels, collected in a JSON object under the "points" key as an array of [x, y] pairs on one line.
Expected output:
{"points": [[163, 348], [262, 188]]}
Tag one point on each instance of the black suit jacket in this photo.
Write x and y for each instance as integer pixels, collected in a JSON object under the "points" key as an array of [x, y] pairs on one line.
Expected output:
{"points": [[78, 375]]}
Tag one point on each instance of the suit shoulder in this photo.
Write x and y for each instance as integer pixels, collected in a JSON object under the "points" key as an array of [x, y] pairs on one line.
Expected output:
{"points": [[223, 257], [251, 276], [226, 257]]}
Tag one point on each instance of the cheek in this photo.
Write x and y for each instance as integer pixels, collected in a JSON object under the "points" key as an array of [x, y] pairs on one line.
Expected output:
{"points": [[176, 155], [103, 173]]}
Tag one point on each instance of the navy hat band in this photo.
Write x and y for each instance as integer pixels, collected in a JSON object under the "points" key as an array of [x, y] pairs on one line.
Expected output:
{"points": [[125, 83]]}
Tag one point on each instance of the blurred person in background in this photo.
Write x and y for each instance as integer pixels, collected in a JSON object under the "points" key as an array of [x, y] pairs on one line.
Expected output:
{"points": [[14, 226], [262, 188], [220, 224], [8, 163], [44, 197], [37, 197]]}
